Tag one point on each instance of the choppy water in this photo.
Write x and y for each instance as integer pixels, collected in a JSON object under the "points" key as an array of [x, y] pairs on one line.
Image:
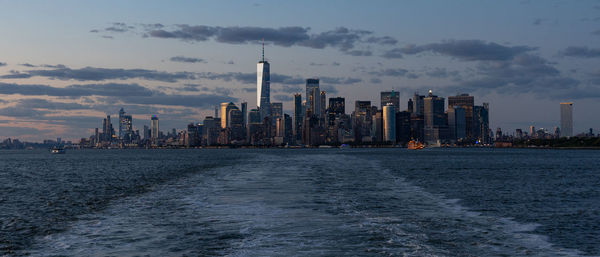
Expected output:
{"points": [[333, 202]]}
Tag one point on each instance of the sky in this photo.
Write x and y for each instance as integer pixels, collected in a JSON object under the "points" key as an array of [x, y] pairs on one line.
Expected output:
{"points": [[65, 65]]}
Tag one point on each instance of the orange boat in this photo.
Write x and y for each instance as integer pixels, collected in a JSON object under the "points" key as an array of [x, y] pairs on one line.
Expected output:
{"points": [[415, 145]]}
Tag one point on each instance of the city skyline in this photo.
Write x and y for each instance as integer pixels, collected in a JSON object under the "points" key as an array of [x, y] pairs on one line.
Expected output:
{"points": [[112, 62]]}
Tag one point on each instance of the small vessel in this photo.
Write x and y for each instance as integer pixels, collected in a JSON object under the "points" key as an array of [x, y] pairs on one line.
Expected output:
{"points": [[415, 145], [57, 150]]}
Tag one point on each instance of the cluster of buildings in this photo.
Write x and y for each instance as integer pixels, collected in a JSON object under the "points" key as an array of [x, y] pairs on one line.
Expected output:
{"points": [[316, 120]]}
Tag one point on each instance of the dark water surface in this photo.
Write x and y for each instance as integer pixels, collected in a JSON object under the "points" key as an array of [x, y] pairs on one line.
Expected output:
{"points": [[332, 202]]}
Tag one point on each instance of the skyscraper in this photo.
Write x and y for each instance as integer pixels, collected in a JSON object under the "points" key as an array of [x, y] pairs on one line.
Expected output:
{"points": [[263, 86], [312, 85], [125, 126], [436, 126], [466, 102], [457, 123], [389, 123], [391, 97], [337, 105], [244, 113], [276, 111], [154, 129], [225, 108], [298, 117], [322, 104], [481, 122], [566, 119], [418, 104]]}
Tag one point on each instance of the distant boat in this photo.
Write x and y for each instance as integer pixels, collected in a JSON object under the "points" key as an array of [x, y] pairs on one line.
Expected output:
{"points": [[415, 145], [57, 150]]}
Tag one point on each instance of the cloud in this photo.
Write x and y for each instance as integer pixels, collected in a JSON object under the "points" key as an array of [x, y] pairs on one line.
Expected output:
{"points": [[375, 81], [386, 40], [581, 51], [399, 72], [2, 64], [108, 37], [340, 80], [186, 59], [11, 131], [335, 64], [98, 74], [19, 112], [537, 22], [441, 73], [340, 38], [524, 73], [127, 93], [45, 104], [286, 89], [119, 27], [395, 53], [283, 98], [28, 65], [468, 50], [329, 89], [596, 32], [359, 52]]}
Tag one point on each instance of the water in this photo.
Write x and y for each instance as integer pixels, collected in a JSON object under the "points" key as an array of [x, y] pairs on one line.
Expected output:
{"points": [[330, 202]]}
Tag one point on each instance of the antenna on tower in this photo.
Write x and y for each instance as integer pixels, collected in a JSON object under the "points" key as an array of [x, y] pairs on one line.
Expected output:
{"points": [[263, 49]]}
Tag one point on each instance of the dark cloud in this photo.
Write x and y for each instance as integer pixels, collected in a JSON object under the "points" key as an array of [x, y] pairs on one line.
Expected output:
{"points": [[283, 98], [386, 40], [127, 93], [108, 37], [11, 131], [2, 64], [581, 51], [230, 62], [335, 64], [286, 89], [285, 79], [524, 73], [19, 112], [340, 81], [316, 64], [469, 50], [285, 36], [186, 59], [375, 81], [399, 72], [218, 90], [110, 89], [596, 32], [119, 27], [537, 22], [358, 52], [341, 38], [94, 31], [329, 89], [441, 73], [98, 74], [37, 103], [28, 65], [395, 53]]}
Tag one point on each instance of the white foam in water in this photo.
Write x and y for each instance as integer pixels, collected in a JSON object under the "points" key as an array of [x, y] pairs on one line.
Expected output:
{"points": [[293, 205]]}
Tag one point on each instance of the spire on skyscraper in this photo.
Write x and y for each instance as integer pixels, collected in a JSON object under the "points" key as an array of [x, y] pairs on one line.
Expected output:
{"points": [[263, 49]]}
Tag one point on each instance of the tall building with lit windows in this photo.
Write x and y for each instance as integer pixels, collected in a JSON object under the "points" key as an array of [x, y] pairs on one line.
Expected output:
{"points": [[566, 119], [263, 86], [154, 130]]}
